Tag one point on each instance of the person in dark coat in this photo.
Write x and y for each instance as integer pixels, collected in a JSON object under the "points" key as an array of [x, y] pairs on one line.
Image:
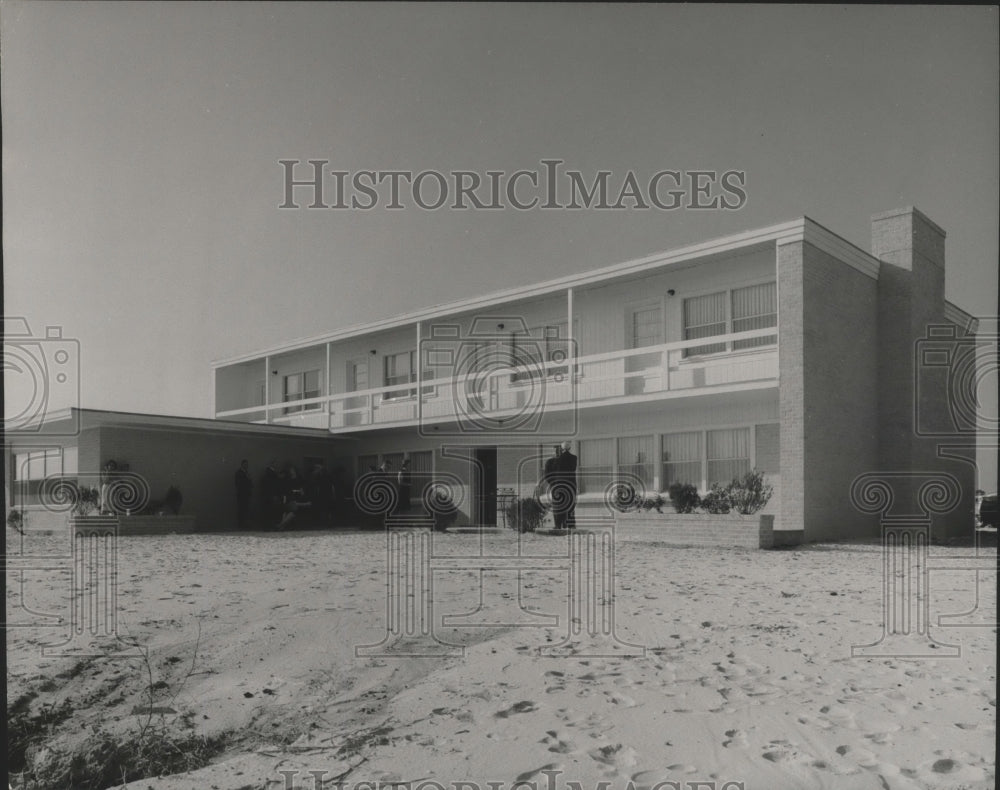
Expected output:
{"points": [[244, 490], [550, 476], [568, 485]]}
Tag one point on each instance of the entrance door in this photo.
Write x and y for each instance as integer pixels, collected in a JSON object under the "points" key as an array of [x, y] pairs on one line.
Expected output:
{"points": [[484, 473]]}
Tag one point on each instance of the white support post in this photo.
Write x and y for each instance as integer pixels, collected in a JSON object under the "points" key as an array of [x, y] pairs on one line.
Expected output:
{"points": [[327, 391], [267, 389], [419, 362], [570, 350]]}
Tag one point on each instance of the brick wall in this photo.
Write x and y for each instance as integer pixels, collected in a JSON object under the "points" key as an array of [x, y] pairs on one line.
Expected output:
{"points": [[841, 401], [695, 529], [828, 403]]}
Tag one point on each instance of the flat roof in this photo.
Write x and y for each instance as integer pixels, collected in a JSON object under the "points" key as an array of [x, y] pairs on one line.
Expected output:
{"points": [[65, 424]]}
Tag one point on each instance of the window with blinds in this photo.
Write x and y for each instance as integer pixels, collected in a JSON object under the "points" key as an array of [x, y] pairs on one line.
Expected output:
{"points": [[705, 316], [737, 310], [754, 307], [682, 459], [596, 467], [728, 454], [635, 457]]}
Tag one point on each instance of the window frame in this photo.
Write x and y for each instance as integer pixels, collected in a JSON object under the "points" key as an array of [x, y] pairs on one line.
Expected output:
{"points": [[406, 393], [704, 484], [304, 394], [728, 347]]}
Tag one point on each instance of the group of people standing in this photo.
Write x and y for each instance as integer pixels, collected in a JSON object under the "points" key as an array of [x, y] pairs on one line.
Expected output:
{"points": [[559, 481], [286, 495]]}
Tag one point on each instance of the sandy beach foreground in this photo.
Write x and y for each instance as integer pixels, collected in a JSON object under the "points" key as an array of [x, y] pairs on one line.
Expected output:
{"points": [[731, 668]]}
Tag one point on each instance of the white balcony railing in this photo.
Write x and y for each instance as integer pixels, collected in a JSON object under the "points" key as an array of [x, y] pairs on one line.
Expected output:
{"points": [[597, 379]]}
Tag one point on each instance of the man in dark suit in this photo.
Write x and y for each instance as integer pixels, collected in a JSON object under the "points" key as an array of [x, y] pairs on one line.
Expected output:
{"points": [[550, 474], [567, 481]]}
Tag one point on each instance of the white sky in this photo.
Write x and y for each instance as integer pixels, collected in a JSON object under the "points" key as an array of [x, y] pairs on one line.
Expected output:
{"points": [[141, 147]]}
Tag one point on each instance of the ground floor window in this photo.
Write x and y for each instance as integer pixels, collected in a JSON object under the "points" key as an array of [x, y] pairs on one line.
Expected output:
{"points": [[682, 453], [596, 465], [728, 454], [702, 458], [602, 461], [636, 458], [30, 469]]}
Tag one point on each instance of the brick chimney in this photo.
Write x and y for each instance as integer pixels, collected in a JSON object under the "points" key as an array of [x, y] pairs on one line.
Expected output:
{"points": [[911, 301]]}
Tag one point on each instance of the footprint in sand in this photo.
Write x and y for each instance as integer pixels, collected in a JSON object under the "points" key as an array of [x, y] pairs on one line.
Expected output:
{"points": [[550, 768], [735, 739], [780, 752], [525, 706], [557, 744], [615, 756]]}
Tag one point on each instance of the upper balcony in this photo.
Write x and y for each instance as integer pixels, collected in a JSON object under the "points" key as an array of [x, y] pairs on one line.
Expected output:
{"points": [[480, 381]]}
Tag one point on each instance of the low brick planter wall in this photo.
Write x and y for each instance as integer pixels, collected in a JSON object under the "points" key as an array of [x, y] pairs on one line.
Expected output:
{"points": [[698, 529]]}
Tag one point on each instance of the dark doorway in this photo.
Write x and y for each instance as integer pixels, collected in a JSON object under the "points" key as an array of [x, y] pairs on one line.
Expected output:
{"points": [[485, 475]]}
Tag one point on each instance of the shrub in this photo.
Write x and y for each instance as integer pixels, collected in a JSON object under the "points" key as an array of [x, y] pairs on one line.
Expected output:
{"points": [[86, 501], [173, 499], [654, 503], [684, 497], [525, 514], [15, 520], [749, 494], [716, 501]]}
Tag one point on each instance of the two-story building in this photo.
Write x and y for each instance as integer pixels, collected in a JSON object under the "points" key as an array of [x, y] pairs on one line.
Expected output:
{"points": [[786, 349]]}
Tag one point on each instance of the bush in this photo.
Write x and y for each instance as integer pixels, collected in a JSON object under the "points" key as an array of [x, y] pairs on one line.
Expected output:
{"points": [[750, 494], [173, 499], [684, 497], [15, 520], [525, 514], [716, 501], [86, 501], [654, 503]]}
